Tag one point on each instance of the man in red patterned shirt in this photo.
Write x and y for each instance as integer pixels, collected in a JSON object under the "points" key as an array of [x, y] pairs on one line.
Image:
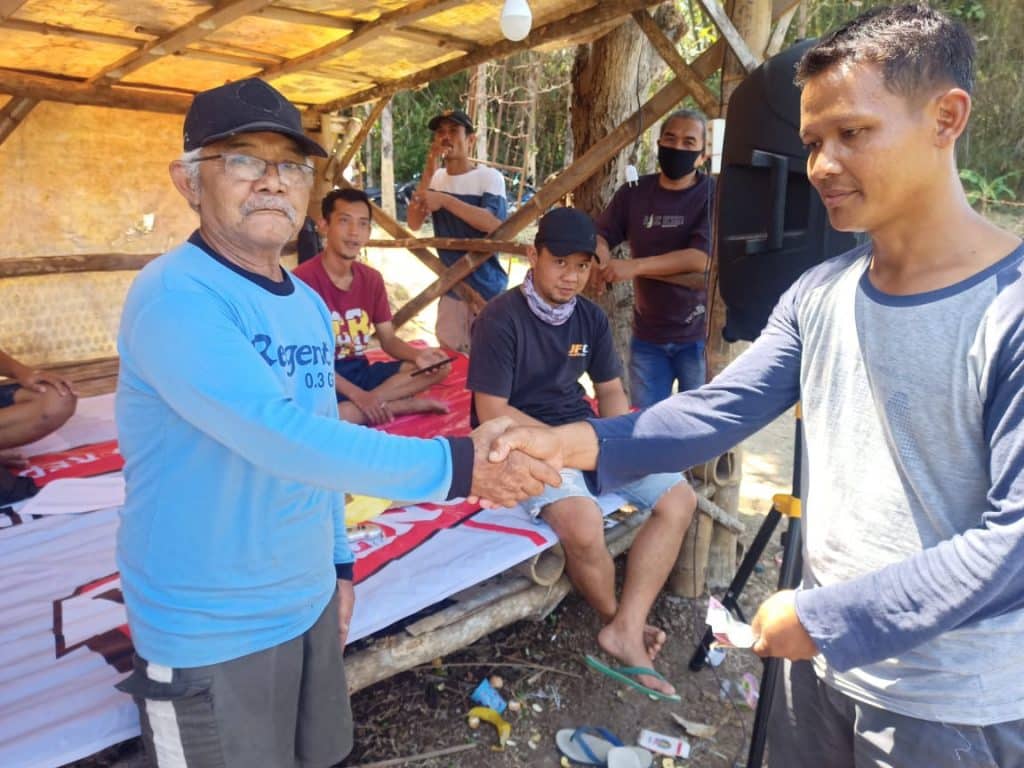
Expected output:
{"points": [[368, 393]]}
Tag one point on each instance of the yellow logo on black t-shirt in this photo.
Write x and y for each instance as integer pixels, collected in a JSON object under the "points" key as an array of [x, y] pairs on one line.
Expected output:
{"points": [[579, 350]]}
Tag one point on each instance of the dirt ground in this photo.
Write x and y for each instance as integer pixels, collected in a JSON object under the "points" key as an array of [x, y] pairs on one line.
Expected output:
{"points": [[541, 663], [424, 710]]}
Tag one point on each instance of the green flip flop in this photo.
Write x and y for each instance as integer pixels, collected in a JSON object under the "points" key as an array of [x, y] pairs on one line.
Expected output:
{"points": [[626, 676]]}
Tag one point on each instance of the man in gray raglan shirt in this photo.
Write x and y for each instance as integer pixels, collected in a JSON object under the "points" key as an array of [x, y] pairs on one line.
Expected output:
{"points": [[905, 640]]}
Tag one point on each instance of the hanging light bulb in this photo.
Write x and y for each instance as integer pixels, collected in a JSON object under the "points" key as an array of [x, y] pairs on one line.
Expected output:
{"points": [[516, 19]]}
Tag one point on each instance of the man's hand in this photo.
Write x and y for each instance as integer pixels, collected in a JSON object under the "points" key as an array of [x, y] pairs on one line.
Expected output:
{"points": [[430, 356], [37, 380], [618, 270], [505, 481], [346, 602], [374, 409], [429, 200], [541, 443], [14, 459], [779, 631]]}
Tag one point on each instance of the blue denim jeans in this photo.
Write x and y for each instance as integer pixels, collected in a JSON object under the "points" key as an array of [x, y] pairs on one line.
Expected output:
{"points": [[654, 368]]}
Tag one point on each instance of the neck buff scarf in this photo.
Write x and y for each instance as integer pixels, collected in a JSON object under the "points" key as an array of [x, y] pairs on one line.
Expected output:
{"points": [[556, 315]]}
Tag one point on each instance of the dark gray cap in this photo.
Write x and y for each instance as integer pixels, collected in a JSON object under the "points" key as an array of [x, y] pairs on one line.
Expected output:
{"points": [[567, 230], [457, 116], [244, 106]]}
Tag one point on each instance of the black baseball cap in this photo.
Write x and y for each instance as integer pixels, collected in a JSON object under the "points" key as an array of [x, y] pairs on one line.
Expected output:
{"points": [[567, 230], [456, 116], [244, 106]]}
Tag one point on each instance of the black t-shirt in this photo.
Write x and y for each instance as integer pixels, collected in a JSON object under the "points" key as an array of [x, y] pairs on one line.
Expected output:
{"points": [[537, 366]]}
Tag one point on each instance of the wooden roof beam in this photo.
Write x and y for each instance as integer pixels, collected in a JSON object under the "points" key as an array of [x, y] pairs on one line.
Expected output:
{"points": [[13, 113], [669, 52], [555, 30], [78, 92], [364, 34], [9, 8], [20, 25], [201, 26], [435, 39], [309, 18]]}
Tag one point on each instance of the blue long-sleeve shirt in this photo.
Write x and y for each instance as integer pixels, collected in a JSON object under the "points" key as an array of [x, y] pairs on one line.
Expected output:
{"points": [[913, 489], [232, 533]]}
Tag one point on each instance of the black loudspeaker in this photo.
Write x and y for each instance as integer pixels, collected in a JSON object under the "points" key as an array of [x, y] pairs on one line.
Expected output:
{"points": [[772, 225]]}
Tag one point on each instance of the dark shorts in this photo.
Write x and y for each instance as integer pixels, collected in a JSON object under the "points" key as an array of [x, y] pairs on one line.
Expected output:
{"points": [[284, 707], [364, 374], [7, 394]]}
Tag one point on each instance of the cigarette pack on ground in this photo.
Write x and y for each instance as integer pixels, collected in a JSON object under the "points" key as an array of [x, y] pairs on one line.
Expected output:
{"points": [[664, 745]]}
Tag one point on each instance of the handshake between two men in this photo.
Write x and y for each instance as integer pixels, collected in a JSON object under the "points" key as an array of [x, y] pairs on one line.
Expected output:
{"points": [[512, 463]]}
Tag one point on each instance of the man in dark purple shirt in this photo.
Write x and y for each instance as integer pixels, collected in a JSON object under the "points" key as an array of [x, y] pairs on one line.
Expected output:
{"points": [[666, 218]]}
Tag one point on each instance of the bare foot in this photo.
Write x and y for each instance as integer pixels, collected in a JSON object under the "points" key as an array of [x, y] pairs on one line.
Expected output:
{"points": [[654, 640], [417, 405], [630, 650]]}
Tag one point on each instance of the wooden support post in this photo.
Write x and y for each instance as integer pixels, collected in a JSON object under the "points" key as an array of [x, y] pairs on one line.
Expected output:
{"points": [[582, 169], [703, 95], [387, 162], [327, 135], [13, 113], [733, 37], [479, 111], [350, 151], [778, 37]]}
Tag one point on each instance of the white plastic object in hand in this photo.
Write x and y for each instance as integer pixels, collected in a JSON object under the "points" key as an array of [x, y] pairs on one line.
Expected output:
{"points": [[516, 19], [632, 177]]}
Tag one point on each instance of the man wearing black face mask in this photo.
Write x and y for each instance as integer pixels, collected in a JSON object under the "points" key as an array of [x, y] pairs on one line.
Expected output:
{"points": [[666, 218]]}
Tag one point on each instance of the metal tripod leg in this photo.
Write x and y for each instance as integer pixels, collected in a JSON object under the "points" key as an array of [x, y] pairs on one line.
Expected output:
{"points": [[739, 581], [789, 578]]}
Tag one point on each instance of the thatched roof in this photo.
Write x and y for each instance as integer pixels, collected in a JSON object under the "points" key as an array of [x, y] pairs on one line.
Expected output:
{"points": [[154, 54]]}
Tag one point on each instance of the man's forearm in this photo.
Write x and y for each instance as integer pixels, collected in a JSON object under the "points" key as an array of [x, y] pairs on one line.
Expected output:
{"points": [[9, 367], [579, 445], [478, 218], [686, 260]]}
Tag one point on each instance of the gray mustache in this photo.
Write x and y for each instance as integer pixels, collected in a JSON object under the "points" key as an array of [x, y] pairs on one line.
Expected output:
{"points": [[269, 202]]}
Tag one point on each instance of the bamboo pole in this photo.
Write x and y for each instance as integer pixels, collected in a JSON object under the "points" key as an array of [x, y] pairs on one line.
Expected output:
{"points": [[399, 653], [357, 142], [89, 262], [453, 244], [569, 179], [669, 53], [12, 115]]}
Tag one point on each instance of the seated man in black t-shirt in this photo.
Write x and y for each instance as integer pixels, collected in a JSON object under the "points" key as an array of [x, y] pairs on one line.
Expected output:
{"points": [[530, 347]]}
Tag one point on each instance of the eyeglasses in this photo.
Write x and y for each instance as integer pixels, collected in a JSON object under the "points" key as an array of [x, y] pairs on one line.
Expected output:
{"points": [[249, 168]]}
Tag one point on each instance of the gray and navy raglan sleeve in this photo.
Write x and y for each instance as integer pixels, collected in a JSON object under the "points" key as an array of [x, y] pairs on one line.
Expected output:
{"points": [[691, 427], [971, 576]]}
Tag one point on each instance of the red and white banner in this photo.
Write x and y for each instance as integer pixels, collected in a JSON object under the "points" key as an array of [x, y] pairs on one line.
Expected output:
{"points": [[64, 634]]}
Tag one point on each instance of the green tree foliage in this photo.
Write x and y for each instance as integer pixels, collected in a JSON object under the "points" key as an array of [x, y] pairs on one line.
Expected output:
{"points": [[993, 147]]}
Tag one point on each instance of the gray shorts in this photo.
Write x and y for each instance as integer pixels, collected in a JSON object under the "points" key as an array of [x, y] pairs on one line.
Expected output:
{"points": [[284, 707], [644, 492], [812, 725]]}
